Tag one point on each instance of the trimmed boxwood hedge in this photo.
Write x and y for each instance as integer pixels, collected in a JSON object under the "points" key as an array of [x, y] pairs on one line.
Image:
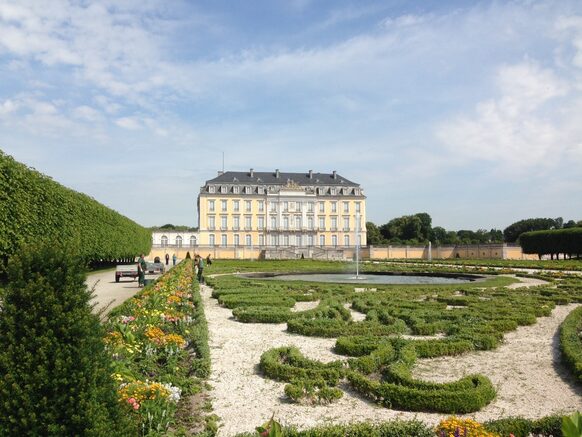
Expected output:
{"points": [[556, 241], [34, 208], [570, 342]]}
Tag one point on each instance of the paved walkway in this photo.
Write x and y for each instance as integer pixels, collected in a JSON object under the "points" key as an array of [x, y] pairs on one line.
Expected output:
{"points": [[108, 293]]}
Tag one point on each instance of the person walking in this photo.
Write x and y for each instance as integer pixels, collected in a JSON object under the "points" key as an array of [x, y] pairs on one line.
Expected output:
{"points": [[167, 258], [200, 269], [208, 261], [141, 269], [174, 258]]}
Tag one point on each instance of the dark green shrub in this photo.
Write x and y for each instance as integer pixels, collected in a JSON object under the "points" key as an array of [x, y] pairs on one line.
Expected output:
{"points": [[55, 371], [517, 426], [570, 342], [262, 314], [313, 391]]}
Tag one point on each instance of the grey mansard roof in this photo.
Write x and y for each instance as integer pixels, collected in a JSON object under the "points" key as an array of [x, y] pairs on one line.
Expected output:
{"points": [[270, 178]]}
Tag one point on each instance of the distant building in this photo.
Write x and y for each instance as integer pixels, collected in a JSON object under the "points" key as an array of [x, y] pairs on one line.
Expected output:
{"points": [[281, 210]]}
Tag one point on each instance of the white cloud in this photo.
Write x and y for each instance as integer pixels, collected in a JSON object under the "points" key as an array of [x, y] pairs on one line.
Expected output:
{"points": [[7, 107], [521, 129], [86, 113], [130, 123]]}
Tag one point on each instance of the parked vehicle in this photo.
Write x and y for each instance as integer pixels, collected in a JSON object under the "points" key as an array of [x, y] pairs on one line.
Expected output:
{"points": [[126, 271], [155, 268]]}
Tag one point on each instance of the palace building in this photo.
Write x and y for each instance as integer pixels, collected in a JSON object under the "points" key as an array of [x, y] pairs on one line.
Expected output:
{"points": [[280, 210]]}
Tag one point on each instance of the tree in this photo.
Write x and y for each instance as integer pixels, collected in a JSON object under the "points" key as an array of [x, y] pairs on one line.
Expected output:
{"points": [[55, 371], [425, 225], [374, 236], [439, 235], [513, 231]]}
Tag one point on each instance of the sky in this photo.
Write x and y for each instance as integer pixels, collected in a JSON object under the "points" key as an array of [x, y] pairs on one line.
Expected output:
{"points": [[469, 111]]}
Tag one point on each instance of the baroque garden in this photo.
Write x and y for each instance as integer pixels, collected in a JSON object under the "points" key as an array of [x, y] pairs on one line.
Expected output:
{"points": [[498, 355]]}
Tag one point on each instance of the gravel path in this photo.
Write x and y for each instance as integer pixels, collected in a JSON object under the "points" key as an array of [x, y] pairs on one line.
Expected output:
{"points": [[524, 369]]}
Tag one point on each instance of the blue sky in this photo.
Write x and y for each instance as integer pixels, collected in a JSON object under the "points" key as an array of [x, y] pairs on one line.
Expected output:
{"points": [[470, 111]]}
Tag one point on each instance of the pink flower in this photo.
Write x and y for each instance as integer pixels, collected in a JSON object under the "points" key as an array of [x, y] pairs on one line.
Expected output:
{"points": [[131, 401], [136, 406]]}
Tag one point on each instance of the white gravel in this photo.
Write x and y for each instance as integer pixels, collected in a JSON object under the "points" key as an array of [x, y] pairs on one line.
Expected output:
{"points": [[529, 380]]}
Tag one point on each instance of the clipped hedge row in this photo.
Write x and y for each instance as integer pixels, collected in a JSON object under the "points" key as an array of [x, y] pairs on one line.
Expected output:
{"points": [[34, 208], [567, 241], [521, 427], [570, 342], [393, 428], [263, 314], [250, 299], [397, 389]]}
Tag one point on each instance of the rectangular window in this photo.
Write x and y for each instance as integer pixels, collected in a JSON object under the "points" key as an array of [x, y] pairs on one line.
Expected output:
{"points": [[285, 240], [247, 206], [272, 206], [211, 223], [310, 240], [223, 222], [273, 222], [321, 206], [261, 240], [236, 239], [236, 222], [261, 224], [211, 205], [224, 241], [248, 221], [346, 224], [322, 223], [310, 223], [322, 240], [286, 222], [334, 240], [223, 205], [358, 207], [248, 240], [286, 206], [310, 207], [333, 206], [334, 223], [346, 240], [346, 206], [261, 205], [298, 240], [211, 240], [236, 205]]}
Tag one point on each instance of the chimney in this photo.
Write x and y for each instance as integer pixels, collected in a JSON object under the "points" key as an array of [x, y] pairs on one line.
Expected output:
{"points": [[220, 172], [252, 173], [277, 173], [310, 174], [334, 174]]}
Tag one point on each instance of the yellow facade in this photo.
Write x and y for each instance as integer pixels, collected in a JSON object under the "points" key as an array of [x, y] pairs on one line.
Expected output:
{"points": [[280, 214]]}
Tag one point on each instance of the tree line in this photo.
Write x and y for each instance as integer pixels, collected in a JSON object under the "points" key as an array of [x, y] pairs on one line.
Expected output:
{"points": [[417, 229]]}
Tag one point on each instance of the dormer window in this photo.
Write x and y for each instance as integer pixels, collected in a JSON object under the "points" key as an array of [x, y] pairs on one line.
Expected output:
{"points": [[212, 189], [223, 189], [236, 190]]}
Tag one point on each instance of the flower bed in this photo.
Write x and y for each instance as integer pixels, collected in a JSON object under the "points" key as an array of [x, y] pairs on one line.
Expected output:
{"points": [[159, 342]]}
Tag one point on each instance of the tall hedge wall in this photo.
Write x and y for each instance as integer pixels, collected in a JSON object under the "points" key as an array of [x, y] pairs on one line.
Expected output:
{"points": [[566, 241], [35, 208]]}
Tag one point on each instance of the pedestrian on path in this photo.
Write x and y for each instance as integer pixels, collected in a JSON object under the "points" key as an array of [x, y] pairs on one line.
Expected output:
{"points": [[174, 258], [167, 258], [200, 269], [141, 268]]}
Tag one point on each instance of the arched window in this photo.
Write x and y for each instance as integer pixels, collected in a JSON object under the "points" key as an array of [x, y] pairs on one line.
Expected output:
{"points": [[193, 240], [164, 241], [179, 241]]}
